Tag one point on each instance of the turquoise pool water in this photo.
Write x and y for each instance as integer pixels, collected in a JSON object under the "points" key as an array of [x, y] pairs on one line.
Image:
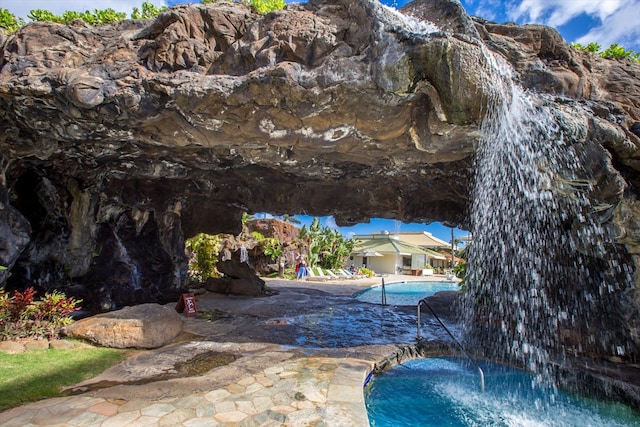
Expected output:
{"points": [[446, 392], [404, 293]]}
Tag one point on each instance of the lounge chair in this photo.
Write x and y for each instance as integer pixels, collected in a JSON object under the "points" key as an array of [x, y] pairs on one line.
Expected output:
{"points": [[321, 274], [314, 276], [333, 275], [350, 275]]}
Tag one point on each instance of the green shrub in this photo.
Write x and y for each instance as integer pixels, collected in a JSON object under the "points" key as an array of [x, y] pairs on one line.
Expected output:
{"points": [[460, 270], [591, 47], [615, 51], [23, 316], [366, 272], [204, 250], [266, 6], [148, 11], [271, 247], [9, 22]]}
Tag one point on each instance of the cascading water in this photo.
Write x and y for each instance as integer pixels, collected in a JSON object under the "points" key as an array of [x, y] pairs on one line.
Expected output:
{"points": [[244, 255], [538, 271]]}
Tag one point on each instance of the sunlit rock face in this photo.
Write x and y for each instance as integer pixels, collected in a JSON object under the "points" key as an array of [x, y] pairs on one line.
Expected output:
{"points": [[121, 141]]}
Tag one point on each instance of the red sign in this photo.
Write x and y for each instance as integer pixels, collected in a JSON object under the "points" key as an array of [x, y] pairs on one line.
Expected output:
{"points": [[187, 304]]}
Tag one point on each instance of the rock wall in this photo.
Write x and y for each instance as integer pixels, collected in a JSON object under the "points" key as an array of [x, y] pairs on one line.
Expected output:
{"points": [[120, 141]]}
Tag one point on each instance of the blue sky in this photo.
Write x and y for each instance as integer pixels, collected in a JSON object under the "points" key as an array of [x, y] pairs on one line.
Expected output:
{"points": [[377, 225]]}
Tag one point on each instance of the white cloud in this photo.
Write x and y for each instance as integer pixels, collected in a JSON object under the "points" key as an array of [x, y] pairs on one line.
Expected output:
{"points": [[558, 12], [487, 9], [21, 8], [618, 20], [622, 27]]}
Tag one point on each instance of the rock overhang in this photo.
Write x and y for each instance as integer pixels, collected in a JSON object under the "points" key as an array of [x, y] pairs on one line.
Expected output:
{"points": [[169, 127]]}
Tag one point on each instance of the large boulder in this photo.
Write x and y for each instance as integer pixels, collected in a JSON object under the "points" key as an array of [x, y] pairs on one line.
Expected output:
{"points": [[141, 326], [239, 279]]}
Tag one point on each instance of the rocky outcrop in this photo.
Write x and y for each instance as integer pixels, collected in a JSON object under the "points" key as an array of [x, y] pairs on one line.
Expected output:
{"points": [[142, 326], [284, 232], [121, 141], [238, 279]]}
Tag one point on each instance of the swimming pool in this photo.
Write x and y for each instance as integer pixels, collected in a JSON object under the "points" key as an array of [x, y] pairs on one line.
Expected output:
{"points": [[446, 392], [404, 293]]}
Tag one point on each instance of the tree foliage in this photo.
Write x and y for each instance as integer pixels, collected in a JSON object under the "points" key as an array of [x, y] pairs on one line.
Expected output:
{"points": [[615, 51], [9, 22], [97, 17], [271, 246], [148, 11], [290, 219], [266, 6], [326, 247], [22, 315], [204, 250]]}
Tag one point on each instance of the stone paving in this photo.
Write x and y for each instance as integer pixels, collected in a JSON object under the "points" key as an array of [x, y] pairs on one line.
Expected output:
{"points": [[315, 391], [271, 383]]}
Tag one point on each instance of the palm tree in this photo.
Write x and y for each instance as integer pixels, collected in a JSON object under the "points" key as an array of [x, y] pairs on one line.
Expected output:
{"points": [[312, 236], [290, 219]]}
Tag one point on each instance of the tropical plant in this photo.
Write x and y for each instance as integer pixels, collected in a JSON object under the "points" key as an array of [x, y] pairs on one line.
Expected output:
{"points": [[326, 247], [271, 246], [592, 47], [460, 270], [290, 219], [614, 51], [266, 6], [246, 218], [9, 22], [148, 11], [366, 272], [24, 316], [337, 249], [312, 238], [97, 17], [204, 250]]}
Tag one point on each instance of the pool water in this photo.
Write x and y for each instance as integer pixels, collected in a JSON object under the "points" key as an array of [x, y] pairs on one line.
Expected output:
{"points": [[404, 293], [446, 392]]}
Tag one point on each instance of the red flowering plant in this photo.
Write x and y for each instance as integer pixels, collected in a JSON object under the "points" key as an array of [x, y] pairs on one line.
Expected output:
{"points": [[23, 316]]}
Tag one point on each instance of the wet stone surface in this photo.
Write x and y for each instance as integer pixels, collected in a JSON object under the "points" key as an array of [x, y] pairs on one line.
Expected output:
{"points": [[308, 317]]}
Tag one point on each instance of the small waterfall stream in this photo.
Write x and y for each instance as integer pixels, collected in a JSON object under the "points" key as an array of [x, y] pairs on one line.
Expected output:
{"points": [[538, 272], [244, 255]]}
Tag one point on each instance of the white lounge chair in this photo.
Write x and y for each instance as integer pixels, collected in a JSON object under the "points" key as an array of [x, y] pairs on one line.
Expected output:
{"points": [[314, 276], [350, 275], [321, 274], [333, 275]]}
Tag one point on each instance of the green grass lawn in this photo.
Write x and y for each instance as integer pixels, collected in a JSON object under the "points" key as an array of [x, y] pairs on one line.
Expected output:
{"points": [[39, 374]]}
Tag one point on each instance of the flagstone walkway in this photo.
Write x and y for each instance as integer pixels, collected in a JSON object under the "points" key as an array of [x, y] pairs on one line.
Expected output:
{"points": [[316, 391]]}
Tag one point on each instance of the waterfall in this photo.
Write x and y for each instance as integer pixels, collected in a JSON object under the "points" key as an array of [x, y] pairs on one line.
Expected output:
{"points": [[244, 255], [538, 270]]}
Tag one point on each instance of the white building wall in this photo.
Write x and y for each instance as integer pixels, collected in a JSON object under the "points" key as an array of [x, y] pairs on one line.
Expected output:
{"points": [[385, 264]]}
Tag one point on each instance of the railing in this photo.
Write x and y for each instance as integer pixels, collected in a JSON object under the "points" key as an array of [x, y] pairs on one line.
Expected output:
{"points": [[384, 293], [473, 362]]}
